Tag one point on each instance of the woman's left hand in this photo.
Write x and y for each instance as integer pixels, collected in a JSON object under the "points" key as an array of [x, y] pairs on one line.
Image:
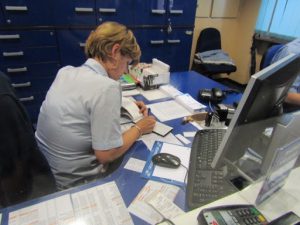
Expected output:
{"points": [[142, 107]]}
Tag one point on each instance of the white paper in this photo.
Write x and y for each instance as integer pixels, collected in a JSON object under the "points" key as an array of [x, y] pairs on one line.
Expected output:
{"points": [[179, 174], [152, 95], [101, 205], [183, 139], [130, 92], [55, 211], [140, 208], [134, 164], [189, 134], [170, 90], [161, 128], [165, 206], [189, 103], [149, 139], [168, 110]]}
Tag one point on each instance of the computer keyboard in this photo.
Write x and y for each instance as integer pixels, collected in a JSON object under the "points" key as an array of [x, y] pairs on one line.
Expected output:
{"points": [[206, 184]]}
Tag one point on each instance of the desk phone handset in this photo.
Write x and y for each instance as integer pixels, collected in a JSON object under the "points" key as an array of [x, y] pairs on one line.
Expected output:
{"points": [[231, 215], [214, 95]]}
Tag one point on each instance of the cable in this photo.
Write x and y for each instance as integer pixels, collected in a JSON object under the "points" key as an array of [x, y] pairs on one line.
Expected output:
{"points": [[185, 177]]}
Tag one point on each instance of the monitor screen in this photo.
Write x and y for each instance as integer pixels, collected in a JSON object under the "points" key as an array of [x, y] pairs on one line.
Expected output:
{"points": [[262, 100]]}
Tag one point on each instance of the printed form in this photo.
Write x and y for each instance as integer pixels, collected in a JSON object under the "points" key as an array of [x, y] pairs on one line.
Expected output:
{"points": [[142, 205], [98, 205], [54, 211], [101, 205]]}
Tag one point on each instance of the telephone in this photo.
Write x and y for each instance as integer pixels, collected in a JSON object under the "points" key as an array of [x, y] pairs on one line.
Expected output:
{"points": [[214, 95], [232, 215]]}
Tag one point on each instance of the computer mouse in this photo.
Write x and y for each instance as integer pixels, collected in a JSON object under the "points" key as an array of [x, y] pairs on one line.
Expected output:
{"points": [[166, 160]]}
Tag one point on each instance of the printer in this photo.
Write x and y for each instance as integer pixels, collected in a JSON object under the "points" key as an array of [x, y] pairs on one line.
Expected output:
{"points": [[151, 76]]}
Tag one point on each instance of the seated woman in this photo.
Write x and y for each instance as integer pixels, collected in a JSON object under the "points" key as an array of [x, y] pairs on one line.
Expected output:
{"points": [[78, 128]]}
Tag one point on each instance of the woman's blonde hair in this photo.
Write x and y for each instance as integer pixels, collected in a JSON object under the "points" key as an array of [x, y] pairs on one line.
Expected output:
{"points": [[100, 42]]}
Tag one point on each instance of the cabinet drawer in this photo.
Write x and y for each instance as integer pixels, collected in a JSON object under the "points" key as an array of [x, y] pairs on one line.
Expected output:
{"points": [[70, 12], [23, 12], [25, 72], [33, 104], [150, 12], [34, 38], [152, 43], [27, 88], [1, 18], [178, 49], [17, 56], [71, 44], [182, 12], [119, 11]]}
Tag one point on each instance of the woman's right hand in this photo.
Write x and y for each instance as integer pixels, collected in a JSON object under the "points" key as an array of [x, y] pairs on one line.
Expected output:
{"points": [[146, 124]]}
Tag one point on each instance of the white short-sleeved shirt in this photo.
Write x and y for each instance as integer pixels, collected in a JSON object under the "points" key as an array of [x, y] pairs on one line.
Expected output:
{"points": [[81, 112]]}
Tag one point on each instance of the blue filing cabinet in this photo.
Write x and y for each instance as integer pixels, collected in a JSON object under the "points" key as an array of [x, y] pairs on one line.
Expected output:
{"points": [[170, 46], [150, 12], [121, 11], [70, 12], [27, 12], [165, 12], [39, 37], [181, 12], [31, 60], [1, 18], [71, 45], [92, 12]]}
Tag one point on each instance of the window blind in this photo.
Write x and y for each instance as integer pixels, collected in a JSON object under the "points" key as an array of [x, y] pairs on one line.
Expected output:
{"points": [[279, 19]]}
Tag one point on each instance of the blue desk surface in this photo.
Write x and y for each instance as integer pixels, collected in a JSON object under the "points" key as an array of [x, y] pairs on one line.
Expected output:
{"points": [[130, 182]]}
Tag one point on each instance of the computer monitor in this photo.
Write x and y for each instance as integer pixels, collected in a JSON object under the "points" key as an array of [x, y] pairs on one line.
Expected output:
{"points": [[262, 99]]}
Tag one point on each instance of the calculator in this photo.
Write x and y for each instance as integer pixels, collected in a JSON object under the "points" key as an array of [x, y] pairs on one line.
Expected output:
{"points": [[232, 215]]}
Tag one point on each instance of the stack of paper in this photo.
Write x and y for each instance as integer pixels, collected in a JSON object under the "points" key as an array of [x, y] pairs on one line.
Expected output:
{"points": [[185, 100], [189, 103]]}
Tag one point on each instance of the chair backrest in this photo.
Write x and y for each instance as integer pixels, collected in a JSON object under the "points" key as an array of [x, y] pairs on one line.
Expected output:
{"points": [[268, 55], [209, 39], [22, 165]]}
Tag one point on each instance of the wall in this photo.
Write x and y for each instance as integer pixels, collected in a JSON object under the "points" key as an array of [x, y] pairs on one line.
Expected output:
{"points": [[236, 26]]}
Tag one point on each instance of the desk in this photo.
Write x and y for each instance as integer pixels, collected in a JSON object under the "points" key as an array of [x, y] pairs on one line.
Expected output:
{"points": [[129, 182], [286, 199]]}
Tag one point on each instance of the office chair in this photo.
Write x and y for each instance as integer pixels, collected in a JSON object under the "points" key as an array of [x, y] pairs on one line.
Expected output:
{"points": [[268, 55], [24, 172], [209, 57]]}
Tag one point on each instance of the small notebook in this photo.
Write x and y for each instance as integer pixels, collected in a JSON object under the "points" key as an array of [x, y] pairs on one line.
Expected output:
{"points": [[162, 129]]}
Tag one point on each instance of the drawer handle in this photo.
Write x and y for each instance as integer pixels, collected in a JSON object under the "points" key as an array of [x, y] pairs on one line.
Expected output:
{"points": [[157, 42], [176, 11], [80, 9], [107, 10], [188, 32], [158, 11], [173, 41], [27, 99], [16, 70], [20, 85], [82, 44], [12, 54], [16, 8], [9, 36]]}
